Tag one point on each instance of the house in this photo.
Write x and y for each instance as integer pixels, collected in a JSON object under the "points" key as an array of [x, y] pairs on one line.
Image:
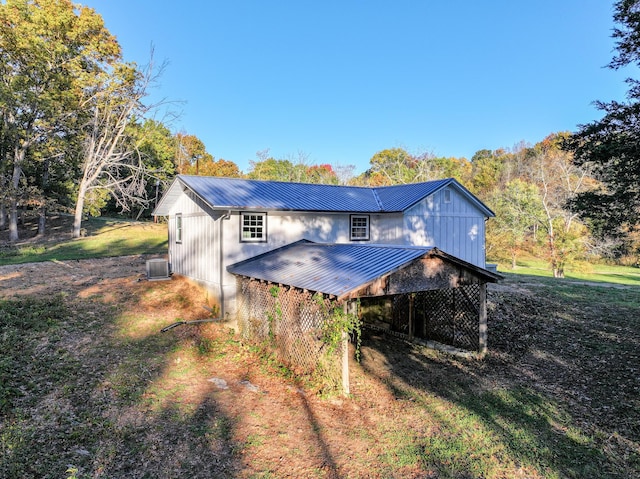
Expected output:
{"points": [[267, 249], [216, 222], [401, 244]]}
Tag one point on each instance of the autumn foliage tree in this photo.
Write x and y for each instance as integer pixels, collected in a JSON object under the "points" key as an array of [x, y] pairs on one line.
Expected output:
{"points": [[71, 114], [559, 181], [519, 211], [296, 170]]}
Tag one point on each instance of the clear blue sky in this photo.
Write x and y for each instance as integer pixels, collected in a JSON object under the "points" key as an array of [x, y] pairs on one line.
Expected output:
{"points": [[341, 80]]}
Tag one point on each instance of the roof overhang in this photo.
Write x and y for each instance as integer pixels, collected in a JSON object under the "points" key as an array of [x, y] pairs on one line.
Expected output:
{"points": [[169, 198]]}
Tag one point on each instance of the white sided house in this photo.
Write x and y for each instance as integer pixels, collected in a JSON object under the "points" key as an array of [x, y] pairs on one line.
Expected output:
{"points": [[215, 223]]}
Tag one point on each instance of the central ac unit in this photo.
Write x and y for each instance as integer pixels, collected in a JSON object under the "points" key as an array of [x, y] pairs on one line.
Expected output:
{"points": [[157, 269]]}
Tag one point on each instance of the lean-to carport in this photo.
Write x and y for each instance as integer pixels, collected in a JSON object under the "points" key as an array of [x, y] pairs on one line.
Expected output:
{"points": [[285, 295]]}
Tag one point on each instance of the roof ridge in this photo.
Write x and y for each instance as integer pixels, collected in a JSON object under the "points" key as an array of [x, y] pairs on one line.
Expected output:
{"points": [[374, 191]]}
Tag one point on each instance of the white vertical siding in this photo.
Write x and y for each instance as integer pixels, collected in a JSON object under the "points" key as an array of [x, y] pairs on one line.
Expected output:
{"points": [[387, 229], [195, 256], [456, 227]]}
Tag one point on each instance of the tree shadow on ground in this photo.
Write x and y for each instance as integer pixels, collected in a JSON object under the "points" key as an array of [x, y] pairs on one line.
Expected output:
{"points": [[553, 391], [532, 428], [79, 401]]}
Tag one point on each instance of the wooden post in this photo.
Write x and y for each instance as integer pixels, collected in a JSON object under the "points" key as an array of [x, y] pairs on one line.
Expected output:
{"points": [[345, 355], [482, 319]]}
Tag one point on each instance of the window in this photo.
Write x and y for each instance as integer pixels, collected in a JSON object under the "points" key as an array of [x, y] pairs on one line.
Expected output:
{"points": [[447, 195], [179, 228], [359, 227], [253, 227]]}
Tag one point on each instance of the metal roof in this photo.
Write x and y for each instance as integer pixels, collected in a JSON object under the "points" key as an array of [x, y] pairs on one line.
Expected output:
{"points": [[276, 195], [401, 197], [233, 193], [335, 269]]}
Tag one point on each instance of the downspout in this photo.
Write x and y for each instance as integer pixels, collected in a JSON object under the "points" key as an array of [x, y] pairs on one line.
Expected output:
{"points": [[223, 217]]}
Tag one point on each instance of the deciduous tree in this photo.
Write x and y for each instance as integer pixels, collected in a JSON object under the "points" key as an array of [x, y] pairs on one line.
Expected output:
{"points": [[611, 146], [559, 181], [391, 167], [293, 169], [48, 51], [111, 159], [221, 167], [190, 153], [519, 210]]}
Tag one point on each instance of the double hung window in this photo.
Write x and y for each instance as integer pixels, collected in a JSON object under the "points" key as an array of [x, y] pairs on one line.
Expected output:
{"points": [[359, 228], [253, 227]]}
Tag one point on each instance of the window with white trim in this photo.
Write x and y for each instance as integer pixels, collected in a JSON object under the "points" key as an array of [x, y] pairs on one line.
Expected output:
{"points": [[359, 227], [447, 195], [179, 228], [253, 227]]}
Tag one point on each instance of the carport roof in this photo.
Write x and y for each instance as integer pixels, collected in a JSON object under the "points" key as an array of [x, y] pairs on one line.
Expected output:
{"points": [[334, 269]]}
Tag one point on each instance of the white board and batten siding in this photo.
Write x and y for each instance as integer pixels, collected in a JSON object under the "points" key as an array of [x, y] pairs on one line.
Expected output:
{"points": [[287, 227], [203, 257], [195, 255], [450, 222]]}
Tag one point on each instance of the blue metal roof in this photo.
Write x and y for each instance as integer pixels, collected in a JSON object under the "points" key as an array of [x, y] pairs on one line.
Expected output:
{"points": [[241, 194], [274, 195], [401, 197], [335, 269]]}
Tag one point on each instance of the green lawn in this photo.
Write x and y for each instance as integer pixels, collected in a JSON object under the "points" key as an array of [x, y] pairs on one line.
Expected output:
{"points": [[599, 273], [103, 238]]}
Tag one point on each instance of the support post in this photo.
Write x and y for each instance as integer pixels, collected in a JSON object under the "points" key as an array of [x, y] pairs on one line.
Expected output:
{"points": [[482, 319], [345, 355]]}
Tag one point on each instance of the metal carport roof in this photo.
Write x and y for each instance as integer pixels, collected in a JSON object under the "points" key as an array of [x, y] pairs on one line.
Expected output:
{"points": [[335, 269]]}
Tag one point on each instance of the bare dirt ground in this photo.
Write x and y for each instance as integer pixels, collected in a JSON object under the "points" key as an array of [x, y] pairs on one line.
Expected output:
{"points": [[259, 424], [74, 277]]}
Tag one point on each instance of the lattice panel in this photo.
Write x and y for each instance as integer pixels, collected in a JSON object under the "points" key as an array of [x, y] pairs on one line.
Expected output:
{"points": [[291, 321], [466, 326], [449, 316], [438, 313]]}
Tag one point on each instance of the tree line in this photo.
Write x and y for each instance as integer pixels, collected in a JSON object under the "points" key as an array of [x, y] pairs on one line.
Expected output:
{"points": [[78, 135]]}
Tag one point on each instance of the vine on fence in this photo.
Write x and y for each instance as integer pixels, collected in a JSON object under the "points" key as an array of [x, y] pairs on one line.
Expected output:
{"points": [[274, 290], [337, 322]]}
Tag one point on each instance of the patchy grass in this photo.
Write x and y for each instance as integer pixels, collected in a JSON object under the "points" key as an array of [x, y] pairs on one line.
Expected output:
{"points": [[88, 381], [103, 238]]}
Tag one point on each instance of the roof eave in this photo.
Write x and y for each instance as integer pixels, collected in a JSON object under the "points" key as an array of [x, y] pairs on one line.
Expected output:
{"points": [[162, 208], [490, 276]]}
